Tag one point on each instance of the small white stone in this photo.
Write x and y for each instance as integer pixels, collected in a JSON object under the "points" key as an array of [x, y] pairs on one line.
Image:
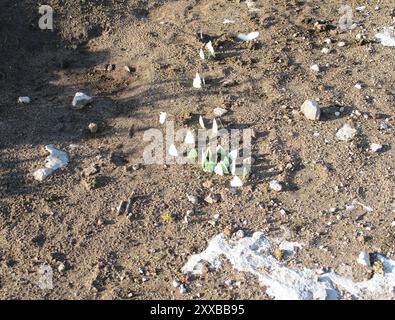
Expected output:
{"points": [[364, 259], [24, 100], [311, 110], [358, 86], [315, 68], [326, 50], [383, 126], [176, 283], [183, 290], [328, 41], [337, 114], [393, 224], [346, 133], [42, 174], [61, 267], [376, 147], [341, 44], [81, 100], [275, 185], [193, 199], [93, 127]]}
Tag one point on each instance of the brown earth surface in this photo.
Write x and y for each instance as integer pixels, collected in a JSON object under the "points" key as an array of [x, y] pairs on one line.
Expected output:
{"points": [[71, 221]]}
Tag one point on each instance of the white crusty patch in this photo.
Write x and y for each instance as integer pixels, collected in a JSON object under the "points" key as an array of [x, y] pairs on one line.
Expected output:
{"points": [[255, 255]]}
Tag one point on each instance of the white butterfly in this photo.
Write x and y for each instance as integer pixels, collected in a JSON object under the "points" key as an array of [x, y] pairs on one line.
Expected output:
{"points": [[215, 127], [210, 49], [201, 122], [236, 182], [197, 82], [173, 151], [248, 37], [189, 138], [201, 54], [162, 117]]}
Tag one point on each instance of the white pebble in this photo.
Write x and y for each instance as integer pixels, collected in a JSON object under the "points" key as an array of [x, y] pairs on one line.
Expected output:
{"points": [[81, 100], [376, 147], [315, 68], [24, 100], [275, 185], [176, 283], [183, 290], [364, 259], [311, 110]]}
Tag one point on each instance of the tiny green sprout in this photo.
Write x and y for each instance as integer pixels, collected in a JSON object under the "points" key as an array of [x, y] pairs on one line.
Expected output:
{"points": [[193, 154]]}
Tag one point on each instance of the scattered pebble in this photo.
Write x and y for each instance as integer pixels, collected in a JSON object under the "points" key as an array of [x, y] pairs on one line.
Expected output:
{"points": [[311, 110], [81, 100], [183, 289], [61, 267], [212, 198], [326, 50], [384, 126], [315, 68], [364, 259], [275, 185], [193, 199], [341, 44], [358, 86], [93, 127], [375, 147], [24, 100]]}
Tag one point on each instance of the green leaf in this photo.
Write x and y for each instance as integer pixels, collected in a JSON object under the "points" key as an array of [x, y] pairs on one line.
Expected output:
{"points": [[209, 166], [193, 154]]}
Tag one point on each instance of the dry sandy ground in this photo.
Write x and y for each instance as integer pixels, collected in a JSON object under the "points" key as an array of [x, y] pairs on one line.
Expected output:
{"points": [[70, 221]]}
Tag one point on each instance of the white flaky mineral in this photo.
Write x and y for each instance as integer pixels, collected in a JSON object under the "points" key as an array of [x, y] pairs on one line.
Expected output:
{"points": [[387, 37], [346, 133], [311, 110], [57, 159]]}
